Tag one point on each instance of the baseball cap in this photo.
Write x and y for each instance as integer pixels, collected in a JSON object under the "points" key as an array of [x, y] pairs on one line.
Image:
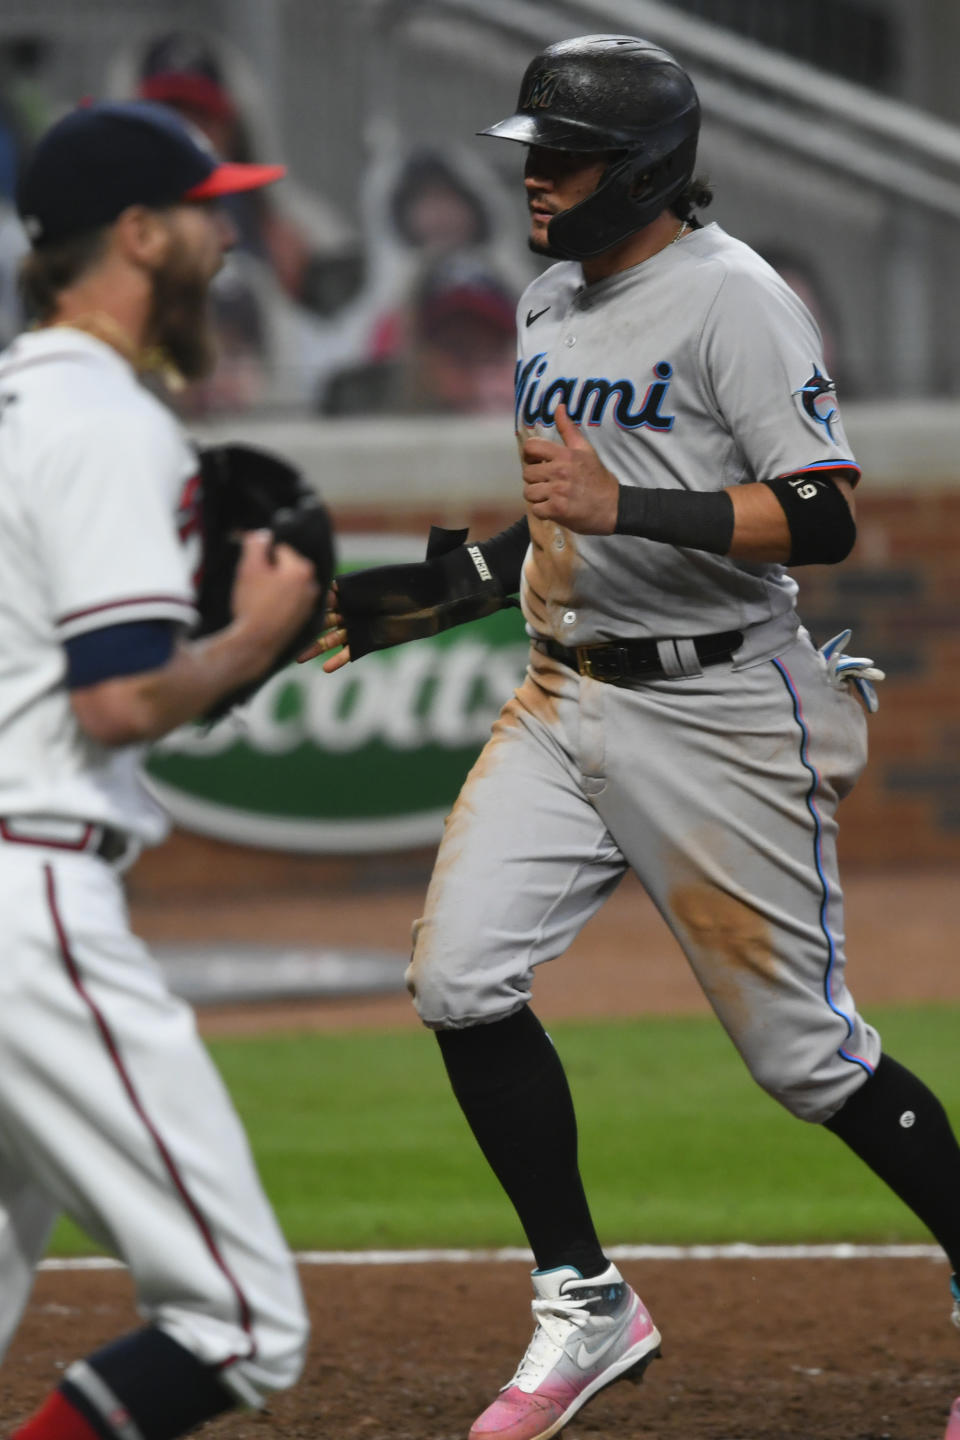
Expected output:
{"points": [[98, 160], [181, 68], [458, 287]]}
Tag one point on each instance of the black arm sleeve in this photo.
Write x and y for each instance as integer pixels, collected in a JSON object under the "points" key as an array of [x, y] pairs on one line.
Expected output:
{"points": [[822, 527]]}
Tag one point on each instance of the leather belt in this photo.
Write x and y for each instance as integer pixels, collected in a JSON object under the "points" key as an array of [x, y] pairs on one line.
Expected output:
{"points": [[58, 834], [621, 662]]}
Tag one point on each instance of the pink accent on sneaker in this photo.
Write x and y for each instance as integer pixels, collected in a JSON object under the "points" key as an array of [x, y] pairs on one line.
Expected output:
{"points": [[953, 1424], [584, 1366], [516, 1416]]}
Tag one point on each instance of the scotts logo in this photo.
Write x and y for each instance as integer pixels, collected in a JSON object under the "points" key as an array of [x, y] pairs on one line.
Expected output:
{"points": [[541, 91], [370, 758]]}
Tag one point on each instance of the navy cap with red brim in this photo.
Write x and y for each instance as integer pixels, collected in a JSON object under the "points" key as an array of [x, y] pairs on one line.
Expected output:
{"points": [[231, 177], [99, 160]]}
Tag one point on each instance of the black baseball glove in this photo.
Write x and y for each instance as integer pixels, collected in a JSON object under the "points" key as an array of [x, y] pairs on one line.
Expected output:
{"points": [[244, 488]]}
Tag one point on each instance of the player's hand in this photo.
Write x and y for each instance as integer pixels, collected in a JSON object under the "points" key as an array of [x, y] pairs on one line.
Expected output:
{"points": [[568, 483], [275, 589], [334, 637]]}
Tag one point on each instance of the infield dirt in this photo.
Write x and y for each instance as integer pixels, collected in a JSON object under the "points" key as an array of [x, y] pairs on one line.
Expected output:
{"points": [[753, 1350]]}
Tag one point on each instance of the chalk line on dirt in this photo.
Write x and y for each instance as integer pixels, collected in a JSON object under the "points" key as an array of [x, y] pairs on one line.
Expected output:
{"points": [[739, 1251]]}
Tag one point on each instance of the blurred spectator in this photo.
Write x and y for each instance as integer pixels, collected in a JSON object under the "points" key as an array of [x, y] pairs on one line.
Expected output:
{"points": [[11, 149], [297, 262], [182, 70], [432, 331], [433, 208], [26, 110], [464, 344], [807, 284], [458, 355], [27, 101], [13, 247]]}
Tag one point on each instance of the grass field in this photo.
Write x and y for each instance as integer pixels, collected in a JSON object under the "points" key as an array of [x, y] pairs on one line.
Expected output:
{"points": [[360, 1143]]}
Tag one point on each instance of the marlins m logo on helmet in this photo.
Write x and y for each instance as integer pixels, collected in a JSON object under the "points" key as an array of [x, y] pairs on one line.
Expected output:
{"points": [[541, 91]]}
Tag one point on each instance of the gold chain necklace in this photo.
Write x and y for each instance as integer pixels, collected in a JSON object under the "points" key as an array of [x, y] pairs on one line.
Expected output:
{"points": [[145, 361]]}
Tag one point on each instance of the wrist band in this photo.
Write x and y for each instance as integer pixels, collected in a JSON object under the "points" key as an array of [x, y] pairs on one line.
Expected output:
{"points": [[693, 519]]}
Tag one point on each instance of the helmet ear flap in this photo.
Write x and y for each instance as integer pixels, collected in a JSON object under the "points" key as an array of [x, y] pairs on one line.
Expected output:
{"points": [[631, 194]]}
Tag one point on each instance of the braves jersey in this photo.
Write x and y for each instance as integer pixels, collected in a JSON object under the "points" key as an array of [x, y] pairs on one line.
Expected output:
{"points": [[98, 526], [695, 370]]}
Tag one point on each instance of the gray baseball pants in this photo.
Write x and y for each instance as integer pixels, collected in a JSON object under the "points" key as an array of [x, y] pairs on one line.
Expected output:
{"points": [[719, 789]]}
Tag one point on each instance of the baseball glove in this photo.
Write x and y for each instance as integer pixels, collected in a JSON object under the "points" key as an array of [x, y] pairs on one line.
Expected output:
{"points": [[243, 488]]}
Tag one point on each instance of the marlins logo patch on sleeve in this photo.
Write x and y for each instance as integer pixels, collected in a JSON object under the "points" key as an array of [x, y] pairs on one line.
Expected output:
{"points": [[816, 400]]}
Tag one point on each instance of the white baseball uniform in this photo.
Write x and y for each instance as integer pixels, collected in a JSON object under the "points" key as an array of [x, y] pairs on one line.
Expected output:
{"points": [[717, 784], [110, 1108]]}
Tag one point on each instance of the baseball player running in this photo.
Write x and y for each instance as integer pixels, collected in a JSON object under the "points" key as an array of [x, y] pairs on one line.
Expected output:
{"points": [[681, 444], [110, 1108]]}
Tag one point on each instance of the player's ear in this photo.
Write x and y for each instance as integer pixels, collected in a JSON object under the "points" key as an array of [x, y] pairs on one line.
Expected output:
{"points": [[142, 236]]}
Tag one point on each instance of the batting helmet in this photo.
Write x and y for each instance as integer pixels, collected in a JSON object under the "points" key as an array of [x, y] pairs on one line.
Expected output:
{"points": [[616, 93]]}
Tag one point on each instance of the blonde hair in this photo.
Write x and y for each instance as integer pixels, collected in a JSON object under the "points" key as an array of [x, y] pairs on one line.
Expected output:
{"points": [[50, 269]]}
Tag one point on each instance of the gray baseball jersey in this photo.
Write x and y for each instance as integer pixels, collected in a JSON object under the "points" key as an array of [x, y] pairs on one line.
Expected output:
{"points": [[696, 370]]}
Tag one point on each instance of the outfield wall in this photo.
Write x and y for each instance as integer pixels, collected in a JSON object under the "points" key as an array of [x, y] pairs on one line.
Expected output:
{"points": [[899, 592]]}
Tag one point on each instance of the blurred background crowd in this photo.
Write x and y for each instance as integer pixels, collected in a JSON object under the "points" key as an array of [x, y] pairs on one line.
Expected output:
{"points": [[366, 323], [400, 301], [382, 276]]}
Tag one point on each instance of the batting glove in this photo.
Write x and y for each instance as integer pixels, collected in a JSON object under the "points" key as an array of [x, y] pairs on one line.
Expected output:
{"points": [[855, 670]]}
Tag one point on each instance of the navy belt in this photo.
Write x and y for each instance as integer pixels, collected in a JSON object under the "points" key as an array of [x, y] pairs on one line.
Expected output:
{"points": [[620, 662], [102, 840]]}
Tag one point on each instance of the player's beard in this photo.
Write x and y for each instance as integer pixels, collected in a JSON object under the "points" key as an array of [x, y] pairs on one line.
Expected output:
{"points": [[180, 324], [542, 248]]}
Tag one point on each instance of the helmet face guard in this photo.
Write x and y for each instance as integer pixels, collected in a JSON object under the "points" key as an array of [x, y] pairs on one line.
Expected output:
{"points": [[632, 193], [609, 93]]}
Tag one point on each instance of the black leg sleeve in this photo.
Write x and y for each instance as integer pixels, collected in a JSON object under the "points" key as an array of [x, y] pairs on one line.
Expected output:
{"points": [[513, 1091], [900, 1129]]}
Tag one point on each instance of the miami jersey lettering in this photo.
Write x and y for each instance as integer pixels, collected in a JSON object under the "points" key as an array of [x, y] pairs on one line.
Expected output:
{"points": [[694, 397]]}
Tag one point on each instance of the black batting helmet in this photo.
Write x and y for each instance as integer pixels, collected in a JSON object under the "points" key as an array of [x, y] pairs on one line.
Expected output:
{"points": [[616, 93]]}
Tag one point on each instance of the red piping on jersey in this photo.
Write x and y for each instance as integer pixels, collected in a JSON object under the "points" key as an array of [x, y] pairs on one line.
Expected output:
{"points": [[113, 1050], [7, 834], [823, 465], [120, 604]]}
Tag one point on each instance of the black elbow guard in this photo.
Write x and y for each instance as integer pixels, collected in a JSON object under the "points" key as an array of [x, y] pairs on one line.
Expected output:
{"points": [[822, 528]]}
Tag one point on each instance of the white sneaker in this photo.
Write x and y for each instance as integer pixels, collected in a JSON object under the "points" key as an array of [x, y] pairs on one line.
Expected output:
{"points": [[589, 1333]]}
